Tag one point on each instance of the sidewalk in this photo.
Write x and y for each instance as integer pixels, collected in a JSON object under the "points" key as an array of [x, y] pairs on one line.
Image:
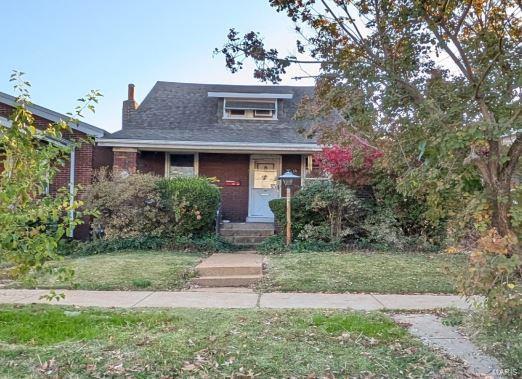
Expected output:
{"points": [[210, 299]]}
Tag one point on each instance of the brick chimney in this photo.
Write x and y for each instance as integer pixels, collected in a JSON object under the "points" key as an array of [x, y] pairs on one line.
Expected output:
{"points": [[129, 107]]}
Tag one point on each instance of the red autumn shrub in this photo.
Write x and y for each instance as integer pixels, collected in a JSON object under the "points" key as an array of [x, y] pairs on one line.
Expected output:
{"points": [[349, 163]]}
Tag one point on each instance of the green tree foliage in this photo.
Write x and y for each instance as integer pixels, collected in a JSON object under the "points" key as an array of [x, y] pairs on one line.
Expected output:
{"points": [[435, 84], [32, 221]]}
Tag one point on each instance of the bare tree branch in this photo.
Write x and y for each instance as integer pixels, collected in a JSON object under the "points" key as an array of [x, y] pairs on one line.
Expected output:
{"points": [[462, 17]]}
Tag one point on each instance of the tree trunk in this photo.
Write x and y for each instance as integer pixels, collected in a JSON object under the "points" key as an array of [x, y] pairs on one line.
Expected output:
{"points": [[501, 206], [497, 182]]}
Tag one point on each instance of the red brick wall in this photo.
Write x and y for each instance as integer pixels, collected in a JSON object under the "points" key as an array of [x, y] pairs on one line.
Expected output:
{"points": [[125, 161], [229, 167], [83, 166], [152, 162], [102, 157]]}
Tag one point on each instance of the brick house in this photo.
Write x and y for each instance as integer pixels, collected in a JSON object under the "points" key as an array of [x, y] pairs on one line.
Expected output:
{"points": [[245, 136], [83, 159]]}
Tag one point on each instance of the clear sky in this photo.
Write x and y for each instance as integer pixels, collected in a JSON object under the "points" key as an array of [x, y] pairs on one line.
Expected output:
{"points": [[68, 47]]}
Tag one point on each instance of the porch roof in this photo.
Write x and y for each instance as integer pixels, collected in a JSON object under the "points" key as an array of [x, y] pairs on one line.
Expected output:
{"points": [[212, 147]]}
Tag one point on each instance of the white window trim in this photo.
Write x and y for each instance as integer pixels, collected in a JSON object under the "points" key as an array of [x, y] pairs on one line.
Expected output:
{"points": [[304, 161], [245, 95], [167, 162]]}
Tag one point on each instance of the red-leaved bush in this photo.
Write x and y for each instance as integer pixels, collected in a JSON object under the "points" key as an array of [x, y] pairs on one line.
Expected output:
{"points": [[349, 163]]}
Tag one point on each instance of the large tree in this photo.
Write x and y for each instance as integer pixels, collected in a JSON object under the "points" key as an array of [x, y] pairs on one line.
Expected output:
{"points": [[439, 81]]}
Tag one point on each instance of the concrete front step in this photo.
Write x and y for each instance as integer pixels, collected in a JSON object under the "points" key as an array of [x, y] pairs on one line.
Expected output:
{"points": [[245, 240], [230, 270], [247, 225], [226, 281], [247, 232]]}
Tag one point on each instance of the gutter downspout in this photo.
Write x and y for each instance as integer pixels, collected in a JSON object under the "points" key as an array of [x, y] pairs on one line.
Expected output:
{"points": [[72, 179]]}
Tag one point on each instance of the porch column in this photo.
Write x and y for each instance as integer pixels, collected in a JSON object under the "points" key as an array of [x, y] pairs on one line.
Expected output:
{"points": [[125, 160]]}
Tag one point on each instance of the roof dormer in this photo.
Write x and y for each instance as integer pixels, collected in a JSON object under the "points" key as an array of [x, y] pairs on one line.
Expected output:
{"points": [[250, 106]]}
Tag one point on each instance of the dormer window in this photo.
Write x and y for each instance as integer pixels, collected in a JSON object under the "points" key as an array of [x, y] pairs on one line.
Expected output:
{"points": [[236, 112], [250, 109], [262, 113], [250, 105]]}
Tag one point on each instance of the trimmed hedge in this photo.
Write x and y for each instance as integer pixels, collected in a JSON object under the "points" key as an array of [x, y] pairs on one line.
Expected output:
{"points": [[191, 204], [207, 244], [144, 205]]}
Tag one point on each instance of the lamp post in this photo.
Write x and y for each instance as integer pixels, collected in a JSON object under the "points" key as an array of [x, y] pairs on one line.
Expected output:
{"points": [[288, 179]]}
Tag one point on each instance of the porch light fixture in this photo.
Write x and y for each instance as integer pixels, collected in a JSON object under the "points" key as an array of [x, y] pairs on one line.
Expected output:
{"points": [[289, 179]]}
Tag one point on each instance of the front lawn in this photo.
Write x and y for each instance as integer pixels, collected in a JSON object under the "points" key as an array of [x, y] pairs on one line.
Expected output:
{"points": [[127, 270], [66, 342], [363, 272]]}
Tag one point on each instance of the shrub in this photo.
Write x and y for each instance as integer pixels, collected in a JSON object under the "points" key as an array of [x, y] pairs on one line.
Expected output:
{"points": [[495, 273], [276, 245], [273, 245], [207, 243], [301, 215], [191, 204], [351, 162], [383, 230], [100, 246], [129, 207], [144, 205], [323, 210]]}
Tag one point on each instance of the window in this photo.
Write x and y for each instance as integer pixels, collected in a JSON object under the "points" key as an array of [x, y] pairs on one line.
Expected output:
{"points": [[313, 171], [182, 165], [237, 112], [250, 109], [263, 113], [265, 175]]}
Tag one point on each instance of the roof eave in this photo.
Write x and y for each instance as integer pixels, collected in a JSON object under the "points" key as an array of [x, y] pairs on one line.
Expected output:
{"points": [[54, 116], [210, 146], [250, 95]]}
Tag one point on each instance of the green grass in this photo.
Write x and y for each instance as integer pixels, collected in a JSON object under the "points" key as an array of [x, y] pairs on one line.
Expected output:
{"points": [[363, 272], [65, 342], [501, 341], [128, 270]]}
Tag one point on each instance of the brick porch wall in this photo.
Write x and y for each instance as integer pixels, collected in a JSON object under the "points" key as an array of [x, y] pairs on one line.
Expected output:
{"points": [[152, 162], [229, 167], [125, 160], [236, 167]]}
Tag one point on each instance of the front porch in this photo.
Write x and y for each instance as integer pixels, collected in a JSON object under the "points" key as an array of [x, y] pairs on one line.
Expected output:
{"points": [[248, 181]]}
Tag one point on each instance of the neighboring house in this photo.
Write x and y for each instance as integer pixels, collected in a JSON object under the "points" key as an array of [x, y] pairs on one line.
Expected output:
{"points": [[83, 159], [245, 136]]}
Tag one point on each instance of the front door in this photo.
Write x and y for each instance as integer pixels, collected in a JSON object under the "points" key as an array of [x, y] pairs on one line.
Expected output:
{"points": [[264, 186]]}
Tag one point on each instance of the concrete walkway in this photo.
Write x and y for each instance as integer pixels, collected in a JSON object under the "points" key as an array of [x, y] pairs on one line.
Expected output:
{"points": [[432, 332], [234, 299]]}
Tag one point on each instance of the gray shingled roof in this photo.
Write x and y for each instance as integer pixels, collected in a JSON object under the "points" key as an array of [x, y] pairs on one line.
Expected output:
{"points": [[184, 112]]}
